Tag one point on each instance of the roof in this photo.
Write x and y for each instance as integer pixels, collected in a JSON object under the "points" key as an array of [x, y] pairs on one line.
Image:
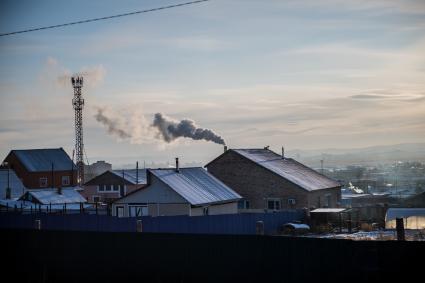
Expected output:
{"points": [[15, 184], [328, 210], [51, 196], [196, 185], [40, 160], [131, 174], [288, 168], [297, 226], [393, 213], [26, 205]]}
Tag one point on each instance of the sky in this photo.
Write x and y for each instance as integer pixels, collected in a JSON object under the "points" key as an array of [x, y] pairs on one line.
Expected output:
{"points": [[300, 74]]}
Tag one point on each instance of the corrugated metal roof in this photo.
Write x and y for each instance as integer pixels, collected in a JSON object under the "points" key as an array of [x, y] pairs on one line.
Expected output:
{"points": [[196, 185], [288, 168], [130, 175], [51, 196], [40, 160], [17, 188], [328, 210]]}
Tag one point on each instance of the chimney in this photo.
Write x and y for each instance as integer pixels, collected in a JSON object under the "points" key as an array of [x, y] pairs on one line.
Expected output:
{"points": [[137, 172], [266, 147], [225, 148], [283, 152], [177, 165]]}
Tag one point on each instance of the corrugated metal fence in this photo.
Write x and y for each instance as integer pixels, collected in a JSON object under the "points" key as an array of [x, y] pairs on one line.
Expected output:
{"points": [[210, 224]]}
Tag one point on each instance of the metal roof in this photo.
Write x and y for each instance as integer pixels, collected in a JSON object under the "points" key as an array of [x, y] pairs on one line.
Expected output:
{"points": [[40, 160], [196, 185], [393, 213], [15, 184], [288, 168], [130, 175], [328, 210], [51, 196]]}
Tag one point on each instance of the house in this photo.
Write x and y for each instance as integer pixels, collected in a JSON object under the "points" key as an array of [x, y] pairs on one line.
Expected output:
{"points": [[8, 179], [42, 168], [114, 184], [269, 181], [180, 191]]}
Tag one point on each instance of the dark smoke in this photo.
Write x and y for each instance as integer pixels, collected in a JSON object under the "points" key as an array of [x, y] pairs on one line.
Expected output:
{"points": [[170, 130], [111, 125]]}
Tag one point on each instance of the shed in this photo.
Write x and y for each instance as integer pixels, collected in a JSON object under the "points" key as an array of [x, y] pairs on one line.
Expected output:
{"points": [[413, 218]]}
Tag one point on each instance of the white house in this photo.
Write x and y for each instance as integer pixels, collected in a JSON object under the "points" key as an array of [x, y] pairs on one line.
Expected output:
{"points": [[180, 191]]}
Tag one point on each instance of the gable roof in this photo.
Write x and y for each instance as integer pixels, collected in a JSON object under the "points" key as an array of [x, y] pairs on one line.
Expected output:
{"points": [[288, 168], [196, 185], [130, 175], [15, 184], [40, 160], [51, 196]]}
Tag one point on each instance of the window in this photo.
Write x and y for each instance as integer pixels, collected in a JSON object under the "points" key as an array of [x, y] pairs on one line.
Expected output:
{"points": [[100, 188], [205, 211], [243, 204], [120, 211], [96, 199], [116, 188], [65, 181], [291, 201], [43, 182], [137, 210], [273, 204], [107, 188]]}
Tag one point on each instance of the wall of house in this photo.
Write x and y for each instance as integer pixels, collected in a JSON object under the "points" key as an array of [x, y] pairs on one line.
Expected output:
{"points": [[90, 192], [31, 180], [256, 184], [225, 208]]}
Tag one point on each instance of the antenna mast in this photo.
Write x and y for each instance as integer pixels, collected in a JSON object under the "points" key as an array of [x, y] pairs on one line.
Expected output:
{"points": [[78, 103]]}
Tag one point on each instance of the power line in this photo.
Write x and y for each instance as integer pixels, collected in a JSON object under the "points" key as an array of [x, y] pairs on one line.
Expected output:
{"points": [[105, 18]]}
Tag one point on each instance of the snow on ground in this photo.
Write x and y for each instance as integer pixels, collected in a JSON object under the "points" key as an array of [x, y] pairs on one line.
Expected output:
{"points": [[380, 235]]}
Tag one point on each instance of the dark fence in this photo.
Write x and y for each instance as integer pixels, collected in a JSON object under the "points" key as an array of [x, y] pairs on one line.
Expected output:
{"points": [[209, 224], [72, 256]]}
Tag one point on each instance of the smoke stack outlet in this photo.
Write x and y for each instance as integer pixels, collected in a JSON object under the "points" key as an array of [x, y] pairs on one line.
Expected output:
{"points": [[283, 152], [225, 148], [177, 165]]}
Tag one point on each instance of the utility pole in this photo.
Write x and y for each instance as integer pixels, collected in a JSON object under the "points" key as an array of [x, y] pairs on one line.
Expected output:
{"points": [[78, 104]]}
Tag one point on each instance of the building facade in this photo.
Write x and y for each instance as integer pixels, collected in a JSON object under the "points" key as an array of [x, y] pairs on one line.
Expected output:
{"points": [[114, 184], [185, 191], [42, 168], [269, 182]]}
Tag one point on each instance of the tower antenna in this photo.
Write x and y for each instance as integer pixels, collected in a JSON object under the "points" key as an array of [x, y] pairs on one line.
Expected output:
{"points": [[78, 104]]}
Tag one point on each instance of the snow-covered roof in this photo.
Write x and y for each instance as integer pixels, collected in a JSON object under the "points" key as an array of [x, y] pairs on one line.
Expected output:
{"points": [[328, 210], [288, 168], [196, 185], [27, 205], [393, 213], [15, 184], [297, 225], [130, 175], [52, 196], [40, 160]]}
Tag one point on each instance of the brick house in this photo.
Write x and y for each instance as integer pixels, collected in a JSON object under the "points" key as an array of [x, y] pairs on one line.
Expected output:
{"points": [[42, 168], [269, 181], [114, 184]]}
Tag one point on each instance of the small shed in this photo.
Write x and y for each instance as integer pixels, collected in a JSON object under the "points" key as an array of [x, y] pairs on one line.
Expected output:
{"points": [[54, 196], [413, 218]]}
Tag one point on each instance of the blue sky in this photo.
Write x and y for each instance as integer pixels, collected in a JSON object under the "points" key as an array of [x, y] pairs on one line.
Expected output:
{"points": [[304, 74]]}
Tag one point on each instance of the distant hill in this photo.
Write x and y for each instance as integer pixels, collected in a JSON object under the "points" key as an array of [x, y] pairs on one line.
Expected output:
{"points": [[361, 156]]}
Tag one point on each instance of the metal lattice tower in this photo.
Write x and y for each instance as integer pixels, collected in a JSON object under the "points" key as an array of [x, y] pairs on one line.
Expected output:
{"points": [[78, 103]]}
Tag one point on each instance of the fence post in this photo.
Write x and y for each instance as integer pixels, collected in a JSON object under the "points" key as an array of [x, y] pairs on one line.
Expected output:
{"points": [[139, 226], [400, 229], [37, 224], [259, 228]]}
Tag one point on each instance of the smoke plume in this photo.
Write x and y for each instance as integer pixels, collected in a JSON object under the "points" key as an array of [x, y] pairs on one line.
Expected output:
{"points": [[111, 124], [170, 129]]}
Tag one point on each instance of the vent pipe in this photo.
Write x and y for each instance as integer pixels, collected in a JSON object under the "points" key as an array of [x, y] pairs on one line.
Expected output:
{"points": [[225, 148], [177, 165], [283, 152]]}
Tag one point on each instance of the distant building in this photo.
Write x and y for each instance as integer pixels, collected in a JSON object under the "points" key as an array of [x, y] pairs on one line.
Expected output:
{"points": [[95, 169], [43, 168], [114, 184], [271, 182], [9, 179], [184, 191]]}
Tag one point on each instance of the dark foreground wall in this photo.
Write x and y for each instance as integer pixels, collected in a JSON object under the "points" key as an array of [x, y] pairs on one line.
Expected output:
{"points": [[58, 256]]}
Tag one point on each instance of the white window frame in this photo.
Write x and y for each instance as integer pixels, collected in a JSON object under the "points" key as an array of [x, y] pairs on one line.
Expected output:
{"points": [[118, 209], [44, 183], [292, 201], [143, 210], [67, 183], [275, 201]]}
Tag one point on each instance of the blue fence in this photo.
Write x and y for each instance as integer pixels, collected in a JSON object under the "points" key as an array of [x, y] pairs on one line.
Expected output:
{"points": [[209, 224]]}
